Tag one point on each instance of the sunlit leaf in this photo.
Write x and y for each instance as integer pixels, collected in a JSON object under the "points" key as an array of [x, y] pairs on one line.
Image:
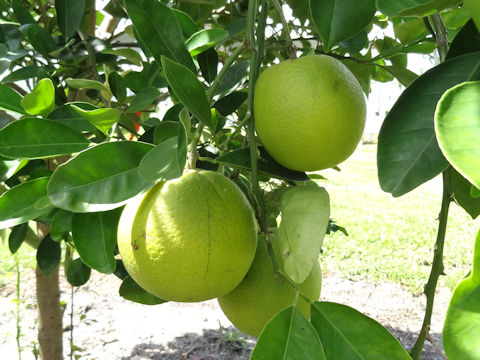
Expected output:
{"points": [[103, 118], [205, 39], [41, 100], [10, 100]]}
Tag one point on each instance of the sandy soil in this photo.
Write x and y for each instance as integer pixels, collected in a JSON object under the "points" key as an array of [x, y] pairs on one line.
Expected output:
{"points": [[109, 327]]}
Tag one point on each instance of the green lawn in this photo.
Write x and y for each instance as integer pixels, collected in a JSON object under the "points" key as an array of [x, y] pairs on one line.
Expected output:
{"points": [[391, 238]]}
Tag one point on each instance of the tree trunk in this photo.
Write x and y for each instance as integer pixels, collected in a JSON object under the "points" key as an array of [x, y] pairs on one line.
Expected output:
{"points": [[50, 326]]}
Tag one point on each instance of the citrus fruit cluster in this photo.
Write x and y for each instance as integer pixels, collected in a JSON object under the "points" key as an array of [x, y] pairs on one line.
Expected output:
{"points": [[309, 112]]}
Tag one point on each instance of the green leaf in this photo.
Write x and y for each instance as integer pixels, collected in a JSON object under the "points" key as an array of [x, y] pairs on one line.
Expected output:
{"points": [[205, 39], [473, 7], [208, 62], [408, 153], [131, 55], [348, 334], [65, 114], [130, 290], [189, 90], [159, 30], [103, 118], [101, 178], [288, 335], [338, 20], [78, 273], [69, 15], [403, 75], [305, 213], [240, 159], [48, 255], [87, 84], [10, 100], [466, 41], [413, 7], [39, 38], [457, 124], [61, 225], [17, 236], [21, 13], [144, 98], [95, 238], [233, 79], [188, 25], [41, 101], [230, 103], [117, 86], [9, 167], [19, 204], [461, 188], [34, 138], [461, 329], [166, 160], [27, 72]]}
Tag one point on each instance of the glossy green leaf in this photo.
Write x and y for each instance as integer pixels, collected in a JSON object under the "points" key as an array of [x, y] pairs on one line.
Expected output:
{"points": [[413, 7], [41, 100], [288, 335], [233, 79], [189, 90], [473, 7], [143, 99], [27, 72], [403, 75], [19, 204], [65, 114], [101, 178], [95, 238], [49, 254], [230, 103], [40, 39], [8, 167], [466, 41], [21, 13], [131, 55], [461, 188], [305, 213], [69, 15], [348, 334], [457, 125], [408, 154], [103, 118], [166, 160], [10, 100], [87, 84], [208, 62], [130, 290], [78, 273], [338, 20], [205, 39], [188, 25], [461, 329], [266, 165], [34, 138], [17, 236], [117, 86], [61, 225], [159, 30]]}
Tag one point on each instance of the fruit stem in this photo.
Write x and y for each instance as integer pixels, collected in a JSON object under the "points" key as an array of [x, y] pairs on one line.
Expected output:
{"points": [[286, 28], [437, 266]]}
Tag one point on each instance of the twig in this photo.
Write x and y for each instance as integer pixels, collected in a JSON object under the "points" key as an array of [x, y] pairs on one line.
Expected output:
{"points": [[436, 347], [286, 29]]}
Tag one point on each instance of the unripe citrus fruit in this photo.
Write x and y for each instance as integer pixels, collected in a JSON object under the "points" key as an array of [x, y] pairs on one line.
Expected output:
{"points": [[261, 295], [309, 112], [189, 239]]}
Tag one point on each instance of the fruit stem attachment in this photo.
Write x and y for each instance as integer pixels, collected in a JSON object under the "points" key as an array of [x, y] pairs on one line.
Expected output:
{"points": [[286, 29], [437, 266]]}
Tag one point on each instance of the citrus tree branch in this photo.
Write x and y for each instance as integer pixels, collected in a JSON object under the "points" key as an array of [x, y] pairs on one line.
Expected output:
{"points": [[286, 28], [437, 266]]}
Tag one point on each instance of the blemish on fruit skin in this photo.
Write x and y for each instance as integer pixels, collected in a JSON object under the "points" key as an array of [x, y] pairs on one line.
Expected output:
{"points": [[135, 246]]}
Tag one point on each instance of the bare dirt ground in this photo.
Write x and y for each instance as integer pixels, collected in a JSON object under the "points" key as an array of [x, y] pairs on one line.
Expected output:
{"points": [[108, 327]]}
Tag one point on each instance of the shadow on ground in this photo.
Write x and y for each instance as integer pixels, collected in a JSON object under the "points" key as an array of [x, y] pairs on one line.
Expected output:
{"points": [[230, 344]]}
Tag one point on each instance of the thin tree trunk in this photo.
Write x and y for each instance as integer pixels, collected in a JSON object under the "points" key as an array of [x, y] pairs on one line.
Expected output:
{"points": [[50, 326]]}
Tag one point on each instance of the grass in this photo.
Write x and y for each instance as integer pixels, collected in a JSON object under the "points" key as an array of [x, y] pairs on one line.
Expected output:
{"points": [[391, 238]]}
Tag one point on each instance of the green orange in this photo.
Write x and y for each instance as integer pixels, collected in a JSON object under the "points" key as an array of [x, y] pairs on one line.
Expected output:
{"points": [[309, 112], [189, 239]]}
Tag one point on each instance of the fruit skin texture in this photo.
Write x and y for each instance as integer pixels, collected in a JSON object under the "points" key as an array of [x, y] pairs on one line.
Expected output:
{"points": [[189, 239], [309, 112], [260, 296]]}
